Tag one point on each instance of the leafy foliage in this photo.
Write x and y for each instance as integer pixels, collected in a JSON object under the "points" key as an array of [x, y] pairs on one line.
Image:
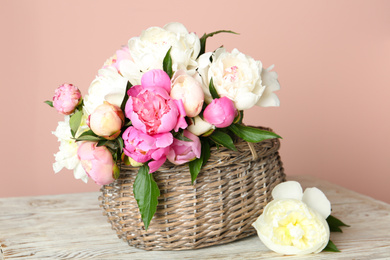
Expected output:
{"points": [[75, 121], [251, 134], [335, 224], [50, 103], [167, 63], [146, 193], [331, 247]]}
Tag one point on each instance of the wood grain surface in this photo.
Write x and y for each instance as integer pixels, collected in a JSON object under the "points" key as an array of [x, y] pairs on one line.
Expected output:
{"points": [[71, 226]]}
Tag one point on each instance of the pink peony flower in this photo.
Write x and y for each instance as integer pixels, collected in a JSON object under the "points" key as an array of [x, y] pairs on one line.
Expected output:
{"points": [[151, 109], [184, 151], [97, 162], [189, 90], [220, 112], [107, 121], [66, 98], [143, 147]]}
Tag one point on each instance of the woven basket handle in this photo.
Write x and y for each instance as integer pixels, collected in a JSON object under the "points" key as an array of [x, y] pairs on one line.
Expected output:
{"points": [[253, 151]]}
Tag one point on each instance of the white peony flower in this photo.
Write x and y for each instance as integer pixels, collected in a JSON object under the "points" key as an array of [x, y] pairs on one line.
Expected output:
{"points": [[108, 86], [238, 77], [295, 222], [67, 155], [149, 49]]}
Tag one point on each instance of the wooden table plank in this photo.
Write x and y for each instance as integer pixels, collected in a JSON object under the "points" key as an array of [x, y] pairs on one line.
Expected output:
{"points": [[71, 226]]}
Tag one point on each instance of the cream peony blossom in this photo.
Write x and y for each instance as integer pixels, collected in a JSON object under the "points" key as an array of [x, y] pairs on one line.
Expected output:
{"points": [[189, 90], [108, 86], [238, 77], [295, 222], [67, 155], [149, 49]]}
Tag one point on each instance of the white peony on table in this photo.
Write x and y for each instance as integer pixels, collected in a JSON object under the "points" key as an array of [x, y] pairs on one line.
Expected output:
{"points": [[71, 226]]}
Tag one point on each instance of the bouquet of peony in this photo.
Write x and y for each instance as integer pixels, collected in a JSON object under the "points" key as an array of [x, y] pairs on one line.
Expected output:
{"points": [[161, 97]]}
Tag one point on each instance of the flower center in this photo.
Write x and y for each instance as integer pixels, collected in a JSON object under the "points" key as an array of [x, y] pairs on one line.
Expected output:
{"points": [[150, 107], [231, 74], [290, 231]]}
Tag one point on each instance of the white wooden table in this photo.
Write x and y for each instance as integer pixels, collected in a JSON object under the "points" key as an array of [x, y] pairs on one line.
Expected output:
{"points": [[72, 226]]}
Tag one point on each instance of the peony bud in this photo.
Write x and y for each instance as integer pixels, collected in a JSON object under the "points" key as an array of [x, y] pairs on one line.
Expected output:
{"points": [[184, 151], [198, 126], [107, 121], [220, 112], [130, 161], [189, 90], [66, 98], [97, 162]]}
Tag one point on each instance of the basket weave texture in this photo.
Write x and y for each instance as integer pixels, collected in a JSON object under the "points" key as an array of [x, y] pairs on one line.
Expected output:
{"points": [[228, 195]]}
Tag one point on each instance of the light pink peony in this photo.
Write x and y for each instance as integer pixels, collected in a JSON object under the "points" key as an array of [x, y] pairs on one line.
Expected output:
{"points": [[97, 162], [220, 112], [151, 109], [143, 147], [107, 121], [66, 98], [115, 60], [189, 90], [184, 151]]}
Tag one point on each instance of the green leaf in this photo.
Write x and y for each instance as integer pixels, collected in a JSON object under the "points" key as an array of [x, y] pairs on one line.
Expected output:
{"points": [[335, 224], [205, 151], [89, 138], [167, 63], [102, 142], [331, 247], [251, 134], [197, 164], [50, 103], [119, 140], [126, 97], [205, 36], [89, 132], [129, 123], [75, 121], [195, 167], [146, 192], [213, 91], [180, 136], [116, 171], [222, 138], [238, 119]]}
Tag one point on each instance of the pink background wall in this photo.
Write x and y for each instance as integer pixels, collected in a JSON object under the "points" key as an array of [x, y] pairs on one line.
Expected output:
{"points": [[332, 57]]}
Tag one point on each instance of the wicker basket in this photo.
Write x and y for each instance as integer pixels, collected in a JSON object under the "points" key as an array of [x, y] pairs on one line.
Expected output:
{"points": [[229, 194]]}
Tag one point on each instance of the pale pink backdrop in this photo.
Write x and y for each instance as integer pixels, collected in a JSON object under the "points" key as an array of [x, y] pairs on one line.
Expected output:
{"points": [[332, 57]]}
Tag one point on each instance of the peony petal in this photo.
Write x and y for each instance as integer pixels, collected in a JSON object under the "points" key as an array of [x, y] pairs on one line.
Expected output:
{"points": [[245, 100], [268, 99], [176, 28], [79, 173], [181, 121], [288, 190], [130, 71], [163, 140], [156, 78], [317, 200], [155, 165], [270, 80]]}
